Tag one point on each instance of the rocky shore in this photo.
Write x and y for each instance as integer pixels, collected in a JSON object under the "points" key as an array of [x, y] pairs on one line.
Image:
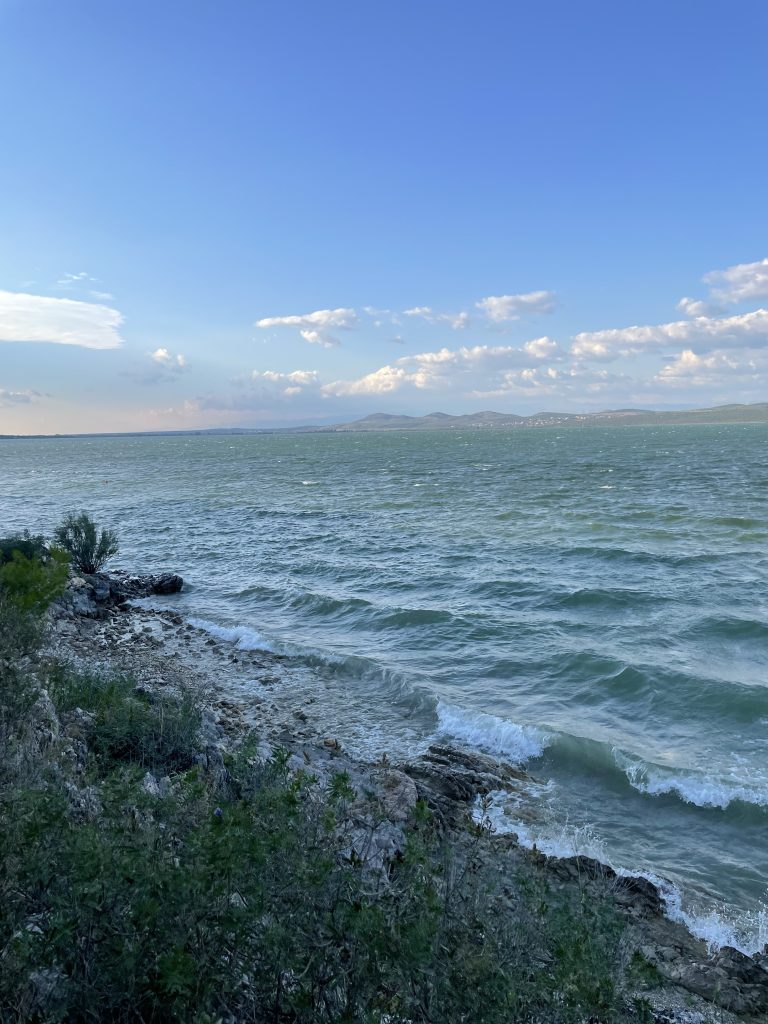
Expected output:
{"points": [[100, 621]]}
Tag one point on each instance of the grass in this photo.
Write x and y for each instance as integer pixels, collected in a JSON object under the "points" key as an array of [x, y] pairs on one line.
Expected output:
{"points": [[234, 897]]}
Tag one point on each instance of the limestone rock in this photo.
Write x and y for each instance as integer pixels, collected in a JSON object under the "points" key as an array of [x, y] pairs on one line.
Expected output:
{"points": [[398, 794]]}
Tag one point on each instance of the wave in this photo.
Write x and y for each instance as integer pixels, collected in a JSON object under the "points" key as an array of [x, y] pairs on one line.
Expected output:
{"points": [[745, 931], [601, 599], [727, 627], [718, 926], [245, 638], [517, 743], [692, 787]]}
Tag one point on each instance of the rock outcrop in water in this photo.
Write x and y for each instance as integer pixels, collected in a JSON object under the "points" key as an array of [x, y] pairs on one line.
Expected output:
{"points": [[96, 596]]}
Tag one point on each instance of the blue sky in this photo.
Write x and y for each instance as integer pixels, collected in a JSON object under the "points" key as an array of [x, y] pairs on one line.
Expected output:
{"points": [[254, 213]]}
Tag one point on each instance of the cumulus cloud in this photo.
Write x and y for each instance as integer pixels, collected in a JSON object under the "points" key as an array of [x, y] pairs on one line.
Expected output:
{"points": [[37, 318], [315, 327], [169, 361], [386, 378], [702, 333], [287, 384], [320, 338], [692, 369], [12, 398], [466, 367], [739, 283], [503, 308], [697, 307], [166, 365], [541, 348]]}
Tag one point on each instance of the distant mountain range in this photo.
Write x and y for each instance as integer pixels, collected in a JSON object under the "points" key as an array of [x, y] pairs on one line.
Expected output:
{"points": [[757, 413]]}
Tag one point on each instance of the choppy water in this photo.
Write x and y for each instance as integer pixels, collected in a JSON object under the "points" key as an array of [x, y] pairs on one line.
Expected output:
{"points": [[591, 602]]}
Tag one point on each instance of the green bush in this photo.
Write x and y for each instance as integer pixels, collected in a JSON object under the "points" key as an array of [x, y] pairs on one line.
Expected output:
{"points": [[237, 895], [90, 548], [247, 906], [130, 726], [32, 583], [25, 544]]}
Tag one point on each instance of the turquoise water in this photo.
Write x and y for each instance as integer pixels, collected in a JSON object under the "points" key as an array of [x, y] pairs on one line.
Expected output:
{"points": [[591, 602]]}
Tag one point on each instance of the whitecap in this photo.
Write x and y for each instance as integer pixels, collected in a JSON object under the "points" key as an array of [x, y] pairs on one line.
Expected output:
{"points": [[745, 931], [691, 787], [717, 927], [244, 638], [518, 743]]}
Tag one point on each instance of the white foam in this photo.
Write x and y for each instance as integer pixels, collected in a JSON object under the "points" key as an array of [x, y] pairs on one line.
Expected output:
{"points": [[748, 932], [745, 931], [245, 639], [692, 787], [517, 743], [566, 840]]}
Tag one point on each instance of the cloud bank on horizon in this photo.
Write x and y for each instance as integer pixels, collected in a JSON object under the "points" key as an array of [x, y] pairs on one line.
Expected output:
{"points": [[713, 351]]}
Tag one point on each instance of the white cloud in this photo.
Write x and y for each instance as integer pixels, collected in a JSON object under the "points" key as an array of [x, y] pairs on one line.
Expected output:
{"points": [[381, 381], [68, 280], [457, 321], [315, 327], [702, 333], [541, 348], [294, 379], [502, 308], [168, 361], [691, 369], [467, 368], [527, 382], [320, 338], [11, 398], [697, 307], [37, 318], [739, 283], [163, 366]]}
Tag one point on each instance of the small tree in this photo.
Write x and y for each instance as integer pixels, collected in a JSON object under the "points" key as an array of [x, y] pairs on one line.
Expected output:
{"points": [[90, 548]]}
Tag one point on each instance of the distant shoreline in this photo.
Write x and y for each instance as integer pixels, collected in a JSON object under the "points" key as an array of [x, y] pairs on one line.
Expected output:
{"points": [[723, 415]]}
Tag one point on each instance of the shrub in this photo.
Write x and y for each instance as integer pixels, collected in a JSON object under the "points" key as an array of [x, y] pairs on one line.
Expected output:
{"points": [[90, 548], [25, 544], [130, 726], [33, 582]]}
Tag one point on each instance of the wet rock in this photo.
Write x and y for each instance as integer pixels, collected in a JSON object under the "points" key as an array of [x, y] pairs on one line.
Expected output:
{"points": [[449, 777], [730, 978], [580, 868], [641, 896]]}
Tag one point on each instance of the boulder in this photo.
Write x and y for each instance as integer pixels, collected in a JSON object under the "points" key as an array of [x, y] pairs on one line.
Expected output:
{"points": [[731, 979]]}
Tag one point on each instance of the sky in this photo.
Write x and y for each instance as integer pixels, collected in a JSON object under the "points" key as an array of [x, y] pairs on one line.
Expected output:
{"points": [[256, 213]]}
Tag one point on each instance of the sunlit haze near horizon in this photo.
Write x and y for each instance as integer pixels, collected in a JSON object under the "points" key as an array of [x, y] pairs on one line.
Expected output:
{"points": [[278, 214]]}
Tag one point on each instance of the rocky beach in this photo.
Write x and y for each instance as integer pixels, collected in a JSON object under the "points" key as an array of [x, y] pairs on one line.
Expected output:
{"points": [[115, 622]]}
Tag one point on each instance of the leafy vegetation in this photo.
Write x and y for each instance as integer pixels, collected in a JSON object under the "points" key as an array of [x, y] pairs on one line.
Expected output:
{"points": [[89, 547], [145, 877]]}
